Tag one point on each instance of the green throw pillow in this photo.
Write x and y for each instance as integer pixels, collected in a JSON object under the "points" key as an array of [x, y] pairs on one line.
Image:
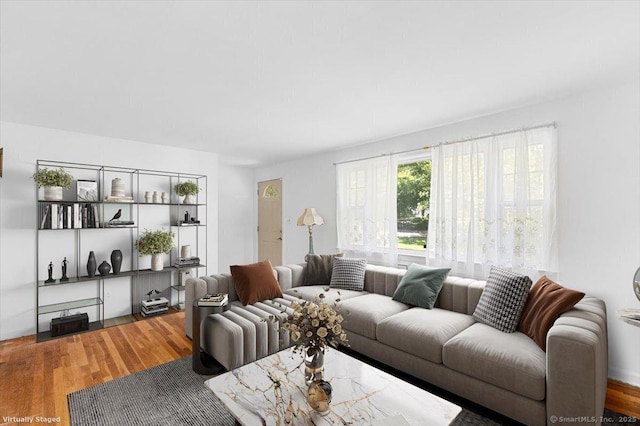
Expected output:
{"points": [[421, 285]]}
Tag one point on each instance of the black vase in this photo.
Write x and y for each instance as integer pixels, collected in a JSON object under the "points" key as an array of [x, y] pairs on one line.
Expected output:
{"points": [[91, 265], [104, 268], [116, 261]]}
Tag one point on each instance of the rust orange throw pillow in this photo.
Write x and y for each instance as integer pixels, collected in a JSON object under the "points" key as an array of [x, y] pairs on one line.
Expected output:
{"points": [[546, 301], [255, 282]]}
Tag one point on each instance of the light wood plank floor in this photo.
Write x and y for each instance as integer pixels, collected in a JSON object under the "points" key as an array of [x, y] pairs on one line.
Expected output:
{"points": [[36, 378]]}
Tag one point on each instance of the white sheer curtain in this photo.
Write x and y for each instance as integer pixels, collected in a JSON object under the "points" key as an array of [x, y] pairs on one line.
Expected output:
{"points": [[366, 209], [493, 202]]}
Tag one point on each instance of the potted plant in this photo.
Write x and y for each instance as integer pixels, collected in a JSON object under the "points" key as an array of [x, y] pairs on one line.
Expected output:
{"points": [[188, 190], [155, 244], [53, 182]]}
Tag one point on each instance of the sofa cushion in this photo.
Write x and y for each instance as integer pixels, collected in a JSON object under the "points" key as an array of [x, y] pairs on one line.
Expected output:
{"points": [[421, 285], [546, 301], [502, 300], [348, 274], [422, 332], [319, 268], [255, 282], [363, 314], [311, 292], [511, 361]]}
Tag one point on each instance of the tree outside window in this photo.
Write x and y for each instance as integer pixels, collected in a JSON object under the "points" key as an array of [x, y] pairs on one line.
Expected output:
{"points": [[414, 191]]}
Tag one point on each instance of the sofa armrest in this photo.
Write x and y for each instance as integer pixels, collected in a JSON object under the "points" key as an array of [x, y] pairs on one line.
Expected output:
{"points": [[577, 365]]}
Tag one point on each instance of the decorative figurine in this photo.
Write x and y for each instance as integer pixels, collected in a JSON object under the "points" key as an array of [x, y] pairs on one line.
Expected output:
{"points": [[187, 218], [116, 216], [64, 270], [165, 198], [50, 279]]}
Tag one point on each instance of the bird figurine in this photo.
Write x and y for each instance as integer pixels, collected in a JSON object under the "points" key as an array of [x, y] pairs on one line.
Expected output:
{"points": [[117, 215]]}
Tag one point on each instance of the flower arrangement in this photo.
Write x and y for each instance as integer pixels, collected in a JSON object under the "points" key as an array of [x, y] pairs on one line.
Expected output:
{"points": [[57, 177], [187, 188], [314, 323], [154, 242]]}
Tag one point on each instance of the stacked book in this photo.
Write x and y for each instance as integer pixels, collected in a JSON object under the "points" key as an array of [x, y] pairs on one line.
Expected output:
{"points": [[150, 307], [218, 299], [184, 262], [116, 199]]}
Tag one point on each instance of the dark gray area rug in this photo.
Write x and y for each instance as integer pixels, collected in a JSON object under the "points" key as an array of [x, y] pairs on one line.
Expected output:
{"points": [[173, 394], [169, 394]]}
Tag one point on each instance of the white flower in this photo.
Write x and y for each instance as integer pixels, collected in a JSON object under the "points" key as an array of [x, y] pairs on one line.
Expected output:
{"points": [[339, 319], [313, 314], [322, 315], [309, 333], [337, 329], [322, 332], [315, 322], [343, 336], [295, 336]]}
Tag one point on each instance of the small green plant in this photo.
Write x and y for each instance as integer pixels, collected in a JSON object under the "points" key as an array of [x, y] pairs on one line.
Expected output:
{"points": [[187, 188], [154, 242], [58, 177]]}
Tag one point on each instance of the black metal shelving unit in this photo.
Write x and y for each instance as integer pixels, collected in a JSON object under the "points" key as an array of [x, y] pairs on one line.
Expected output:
{"points": [[133, 211]]}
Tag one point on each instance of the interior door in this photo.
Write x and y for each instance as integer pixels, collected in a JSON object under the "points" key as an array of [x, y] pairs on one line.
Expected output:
{"points": [[270, 221]]}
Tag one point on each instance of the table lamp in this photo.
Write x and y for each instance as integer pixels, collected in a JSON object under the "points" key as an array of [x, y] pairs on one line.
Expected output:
{"points": [[310, 218]]}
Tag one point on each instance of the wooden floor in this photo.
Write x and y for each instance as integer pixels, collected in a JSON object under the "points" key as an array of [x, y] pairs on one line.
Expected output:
{"points": [[36, 377]]}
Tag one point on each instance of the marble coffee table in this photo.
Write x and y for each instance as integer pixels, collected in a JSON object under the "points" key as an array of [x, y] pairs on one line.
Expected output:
{"points": [[272, 391]]}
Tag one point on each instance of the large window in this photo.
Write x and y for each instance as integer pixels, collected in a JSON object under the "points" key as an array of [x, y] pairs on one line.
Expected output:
{"points": [[414, 191], [366, 209], [493, 202]]}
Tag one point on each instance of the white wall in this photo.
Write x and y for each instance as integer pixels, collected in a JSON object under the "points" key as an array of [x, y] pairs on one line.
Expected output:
{"points": [[23, 145], [237, 230], [599, 197]]}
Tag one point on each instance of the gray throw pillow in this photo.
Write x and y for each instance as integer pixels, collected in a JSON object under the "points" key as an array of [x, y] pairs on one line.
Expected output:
{"points": [[319, 268], [348, 274], [420, 285], [503, 299]]}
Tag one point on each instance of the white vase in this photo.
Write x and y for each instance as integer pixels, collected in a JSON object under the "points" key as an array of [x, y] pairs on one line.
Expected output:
{"points": [[157, 263], [148, 197], [190, 199], [53, 193]]}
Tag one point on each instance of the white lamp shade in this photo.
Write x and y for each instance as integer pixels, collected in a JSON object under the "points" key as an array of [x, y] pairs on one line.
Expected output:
{"points": [[310, 217]]}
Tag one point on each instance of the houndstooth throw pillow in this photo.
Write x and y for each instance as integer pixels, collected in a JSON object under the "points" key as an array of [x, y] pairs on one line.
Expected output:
{"points": [[503, 299], [348, 274]]}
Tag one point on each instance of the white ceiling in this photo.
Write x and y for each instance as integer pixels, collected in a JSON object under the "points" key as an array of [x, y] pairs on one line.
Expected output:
{"points": [[259, 82]]}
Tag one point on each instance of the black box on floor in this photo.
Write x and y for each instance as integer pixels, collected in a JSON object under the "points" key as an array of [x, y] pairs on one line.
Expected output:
{"points": [[70, 324]]}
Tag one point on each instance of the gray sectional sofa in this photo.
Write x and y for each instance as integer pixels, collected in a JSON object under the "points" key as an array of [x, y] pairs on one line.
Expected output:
{"points": [[445, 346]]}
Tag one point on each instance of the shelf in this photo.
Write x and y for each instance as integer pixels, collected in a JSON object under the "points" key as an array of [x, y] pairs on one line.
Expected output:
{"points": [[46, 335], [102, 209], [121, 274], [81, 229], [74, 304], [70, 202], [87, 278], [149, 271], [120, 203]]}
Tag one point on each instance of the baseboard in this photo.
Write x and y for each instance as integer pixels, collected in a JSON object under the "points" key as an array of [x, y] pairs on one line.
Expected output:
{"points": [[624, 376]]}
